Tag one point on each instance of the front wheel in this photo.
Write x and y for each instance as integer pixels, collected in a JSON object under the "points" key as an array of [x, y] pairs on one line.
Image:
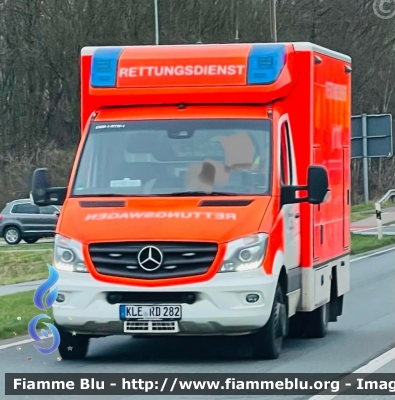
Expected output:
{"points": [[267, 342], [12, 235], [72, 347]]}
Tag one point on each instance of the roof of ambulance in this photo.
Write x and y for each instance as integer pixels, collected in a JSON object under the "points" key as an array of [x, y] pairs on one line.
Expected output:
{"points": [[298, 46]]}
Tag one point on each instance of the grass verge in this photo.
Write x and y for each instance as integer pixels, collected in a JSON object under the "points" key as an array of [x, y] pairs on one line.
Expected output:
{"points": [[18, 266], [26, 247], [362, 244], [358, 216], [20, 305], [361, 208], [362, 211]]}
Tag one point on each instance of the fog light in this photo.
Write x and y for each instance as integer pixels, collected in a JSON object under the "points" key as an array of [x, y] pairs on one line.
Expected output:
{"points": [[60, 298], [114, 298], [252, 298]]}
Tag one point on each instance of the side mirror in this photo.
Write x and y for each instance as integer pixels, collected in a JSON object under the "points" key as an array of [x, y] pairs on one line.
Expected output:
{"points": [[317, 188], [42, 194], [317, 184], [40, 185]]}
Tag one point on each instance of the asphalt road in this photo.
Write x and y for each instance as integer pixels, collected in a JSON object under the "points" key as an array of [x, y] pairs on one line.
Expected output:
{"points": [[365, 331]]}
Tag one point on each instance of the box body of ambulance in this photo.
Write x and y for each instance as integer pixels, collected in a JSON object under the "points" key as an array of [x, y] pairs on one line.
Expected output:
{"points": [[210, 194]]}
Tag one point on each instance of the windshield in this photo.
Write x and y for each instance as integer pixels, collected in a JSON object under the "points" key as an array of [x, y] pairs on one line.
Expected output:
{"points": [[176, 157]]}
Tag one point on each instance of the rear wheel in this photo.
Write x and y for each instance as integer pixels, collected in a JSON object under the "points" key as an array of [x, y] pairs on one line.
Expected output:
{"points": [[12, 235], [31, 240], [313, 324], [72, 347], [267, 342]]}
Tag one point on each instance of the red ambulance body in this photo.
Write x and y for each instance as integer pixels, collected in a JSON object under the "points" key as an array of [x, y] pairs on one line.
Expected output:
{"points": [[210, 194]]}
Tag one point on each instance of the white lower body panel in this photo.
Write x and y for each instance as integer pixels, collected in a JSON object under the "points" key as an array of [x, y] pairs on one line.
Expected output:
{"points": [[316, 283], [220, 306]]}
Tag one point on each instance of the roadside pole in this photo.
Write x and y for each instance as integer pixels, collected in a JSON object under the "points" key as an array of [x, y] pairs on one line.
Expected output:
{"points": [[379, 221], [273, 20], [365, 159], [156, 22]]}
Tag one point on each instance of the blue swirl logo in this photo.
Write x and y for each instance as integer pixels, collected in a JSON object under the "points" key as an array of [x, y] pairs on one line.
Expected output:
{"points": [[38, 300]]}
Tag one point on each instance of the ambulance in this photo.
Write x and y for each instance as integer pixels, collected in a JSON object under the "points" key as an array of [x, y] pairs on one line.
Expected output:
{"points": [[210, 195]]}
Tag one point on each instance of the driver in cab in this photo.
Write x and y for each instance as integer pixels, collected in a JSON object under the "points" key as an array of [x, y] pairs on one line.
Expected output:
{"points": [[241, 159]]}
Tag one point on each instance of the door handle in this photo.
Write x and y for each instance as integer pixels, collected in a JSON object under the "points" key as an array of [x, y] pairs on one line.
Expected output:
{"points": [[297, 215]]}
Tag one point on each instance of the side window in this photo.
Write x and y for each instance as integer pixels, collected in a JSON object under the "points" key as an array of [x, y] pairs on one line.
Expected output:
{"points": [[286, 156], [285, 169], [25, 209], [48, 210]]}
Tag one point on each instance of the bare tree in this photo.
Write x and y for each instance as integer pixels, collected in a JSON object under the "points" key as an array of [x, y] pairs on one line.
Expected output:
{"points": [[40, 42]]}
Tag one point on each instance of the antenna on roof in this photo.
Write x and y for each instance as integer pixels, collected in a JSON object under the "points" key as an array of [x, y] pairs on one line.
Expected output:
{"points": [[156, 22], [237, 38], [273, 20], [200, 23]]}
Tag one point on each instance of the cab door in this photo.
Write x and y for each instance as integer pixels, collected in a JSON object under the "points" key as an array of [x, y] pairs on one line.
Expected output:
{"points": [[318, 226], [28, 216], [290, 212], [48, 219], [346, 198]]}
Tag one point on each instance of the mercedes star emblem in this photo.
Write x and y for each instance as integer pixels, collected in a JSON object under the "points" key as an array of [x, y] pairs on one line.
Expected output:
{"points": [[150, 258]]}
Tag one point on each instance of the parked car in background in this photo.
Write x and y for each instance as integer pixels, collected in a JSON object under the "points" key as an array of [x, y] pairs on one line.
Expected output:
{"points": [[22, 220]]}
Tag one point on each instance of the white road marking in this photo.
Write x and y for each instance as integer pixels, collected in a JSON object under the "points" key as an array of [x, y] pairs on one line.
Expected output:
{"points": [[369, 368], [377, 363], [375, 234], [6, 346], [364, 229], [373, 254]]}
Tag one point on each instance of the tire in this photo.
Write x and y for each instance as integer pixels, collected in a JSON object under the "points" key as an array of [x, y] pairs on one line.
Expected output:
{"points": [[318, 322], [31, 240], [72, 347], [267, 342], [313, 324], [12, 235]]}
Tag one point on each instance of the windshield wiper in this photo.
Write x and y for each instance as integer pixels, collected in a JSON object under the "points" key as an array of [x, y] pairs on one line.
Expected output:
{"points": [[107, 195], [200, 193], [176, 194]]}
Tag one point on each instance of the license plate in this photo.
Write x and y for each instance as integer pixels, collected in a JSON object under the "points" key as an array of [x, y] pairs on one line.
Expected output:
{"points": [[150, 313]]}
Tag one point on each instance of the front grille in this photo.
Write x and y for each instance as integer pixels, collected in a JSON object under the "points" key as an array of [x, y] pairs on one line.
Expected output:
{"points": [[151, 297], [180, 259]]}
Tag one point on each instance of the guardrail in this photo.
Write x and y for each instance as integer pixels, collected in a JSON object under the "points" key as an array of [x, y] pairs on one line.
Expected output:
{"points": [[389, 195]]}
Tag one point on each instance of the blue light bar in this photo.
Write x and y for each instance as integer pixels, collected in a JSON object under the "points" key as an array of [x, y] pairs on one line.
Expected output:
{"points": [[104, 67], [265, 63]]}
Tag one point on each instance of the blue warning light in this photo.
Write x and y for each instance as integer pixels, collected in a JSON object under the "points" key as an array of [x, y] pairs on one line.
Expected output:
{"points": [[265, 63], [104, 67]]}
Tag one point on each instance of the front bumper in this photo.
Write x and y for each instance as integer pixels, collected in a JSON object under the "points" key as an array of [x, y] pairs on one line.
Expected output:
{"points": [[220, 307]]}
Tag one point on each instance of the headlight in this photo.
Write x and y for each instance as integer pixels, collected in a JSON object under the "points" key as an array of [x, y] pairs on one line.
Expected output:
{"points": [[68, 255], [245, 254]]}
